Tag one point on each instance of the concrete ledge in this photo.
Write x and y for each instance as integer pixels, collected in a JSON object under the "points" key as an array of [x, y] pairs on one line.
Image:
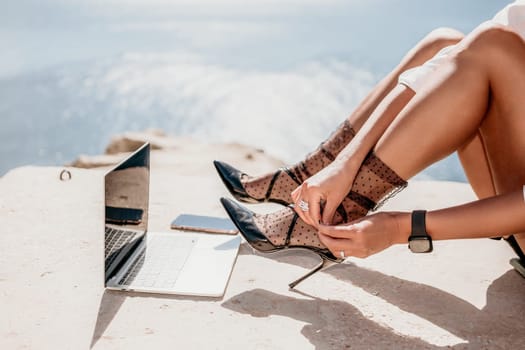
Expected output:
{"points": [[464, 295]]}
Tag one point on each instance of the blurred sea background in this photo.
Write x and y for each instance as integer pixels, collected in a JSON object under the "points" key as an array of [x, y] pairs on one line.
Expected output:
{"points": [[275, 74]]}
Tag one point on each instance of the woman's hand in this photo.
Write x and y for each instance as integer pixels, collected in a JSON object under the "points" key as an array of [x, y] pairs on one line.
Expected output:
{"points": [[366, 236], [323, 192]]}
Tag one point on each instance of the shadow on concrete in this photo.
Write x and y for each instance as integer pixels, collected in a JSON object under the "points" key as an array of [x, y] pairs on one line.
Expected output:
{"points": [[334, 324], [499, 325], [330, 324], [110, 303], [112, 300]]}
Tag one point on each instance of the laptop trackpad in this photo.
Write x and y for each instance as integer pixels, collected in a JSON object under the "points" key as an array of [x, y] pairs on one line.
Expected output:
{"points": [[208, 268]]}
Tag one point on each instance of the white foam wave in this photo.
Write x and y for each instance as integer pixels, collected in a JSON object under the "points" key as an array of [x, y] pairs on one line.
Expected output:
{"points": [[62, 112], [284, 112]]}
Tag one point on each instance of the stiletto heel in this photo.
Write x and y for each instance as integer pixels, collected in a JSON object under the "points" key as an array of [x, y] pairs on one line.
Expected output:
{"points": [[519, 266], [324, 264], [517, 263], [244, 219]]}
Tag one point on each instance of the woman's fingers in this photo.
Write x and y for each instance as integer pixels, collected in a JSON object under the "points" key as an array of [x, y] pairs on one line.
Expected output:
{"points": [[315, 211], [336, 245], [337, 239], [301, 204], [363, 237], [345, 247], [329, 211], [297, 198], [337, 231], [307, 204]]}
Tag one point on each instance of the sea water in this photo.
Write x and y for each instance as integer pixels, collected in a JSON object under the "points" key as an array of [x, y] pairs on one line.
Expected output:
{"points": [[54, 115], [279, 76]]}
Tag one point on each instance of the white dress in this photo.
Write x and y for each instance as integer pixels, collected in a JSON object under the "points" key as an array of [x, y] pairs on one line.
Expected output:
{"points": [[512, 16]]}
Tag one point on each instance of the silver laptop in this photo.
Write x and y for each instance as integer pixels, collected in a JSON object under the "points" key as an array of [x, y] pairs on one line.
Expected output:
{"points": [[173, 262]]}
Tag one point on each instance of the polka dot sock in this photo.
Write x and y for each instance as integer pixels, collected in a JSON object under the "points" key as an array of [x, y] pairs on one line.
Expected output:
{"points": [[277, 186], [375, 182], [275, 227]]}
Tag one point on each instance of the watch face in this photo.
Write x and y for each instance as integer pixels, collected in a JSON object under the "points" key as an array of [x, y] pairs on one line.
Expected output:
{"points": [[420, 245]]}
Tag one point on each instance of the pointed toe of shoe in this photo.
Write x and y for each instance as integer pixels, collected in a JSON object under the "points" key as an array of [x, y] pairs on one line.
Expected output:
{"points": [[231, 178], [244, 220]]}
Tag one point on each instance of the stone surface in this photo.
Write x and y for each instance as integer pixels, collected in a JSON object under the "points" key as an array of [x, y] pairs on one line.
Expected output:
{"points": [[464, 295]]}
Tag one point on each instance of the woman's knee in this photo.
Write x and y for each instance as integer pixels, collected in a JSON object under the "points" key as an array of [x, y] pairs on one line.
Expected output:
{"points": [[440, 38], [492, 42], [434, 41]]}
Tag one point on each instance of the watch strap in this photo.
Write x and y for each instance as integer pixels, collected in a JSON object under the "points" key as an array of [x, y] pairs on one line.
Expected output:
{"points": [[419, 228], [419, 240]]}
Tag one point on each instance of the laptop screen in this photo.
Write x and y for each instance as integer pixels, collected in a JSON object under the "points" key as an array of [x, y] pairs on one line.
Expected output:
{"points": [[126, 212]]}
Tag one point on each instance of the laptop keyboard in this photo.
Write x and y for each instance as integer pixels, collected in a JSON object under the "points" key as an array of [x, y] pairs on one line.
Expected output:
{"points": [[166, 258], [115, 240]]}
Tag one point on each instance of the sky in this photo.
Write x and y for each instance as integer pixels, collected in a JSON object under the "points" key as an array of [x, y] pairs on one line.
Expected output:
{"points": [[255, 33]]}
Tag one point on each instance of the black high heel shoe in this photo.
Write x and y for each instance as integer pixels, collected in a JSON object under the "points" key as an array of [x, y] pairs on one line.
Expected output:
{"points": [[232, 179], [244, 220]]}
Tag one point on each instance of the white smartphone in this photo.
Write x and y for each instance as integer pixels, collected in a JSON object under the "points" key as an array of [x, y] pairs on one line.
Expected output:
{"points": [[207, 224]]}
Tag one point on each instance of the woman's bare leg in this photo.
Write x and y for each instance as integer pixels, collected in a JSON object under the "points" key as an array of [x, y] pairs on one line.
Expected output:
{"points": [[473, 158], [277, 186], [420, 53], [475, 162], [478, 93]]}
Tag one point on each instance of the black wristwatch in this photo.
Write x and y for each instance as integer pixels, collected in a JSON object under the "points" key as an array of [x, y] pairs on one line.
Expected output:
{"points": [[419, 240]]}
